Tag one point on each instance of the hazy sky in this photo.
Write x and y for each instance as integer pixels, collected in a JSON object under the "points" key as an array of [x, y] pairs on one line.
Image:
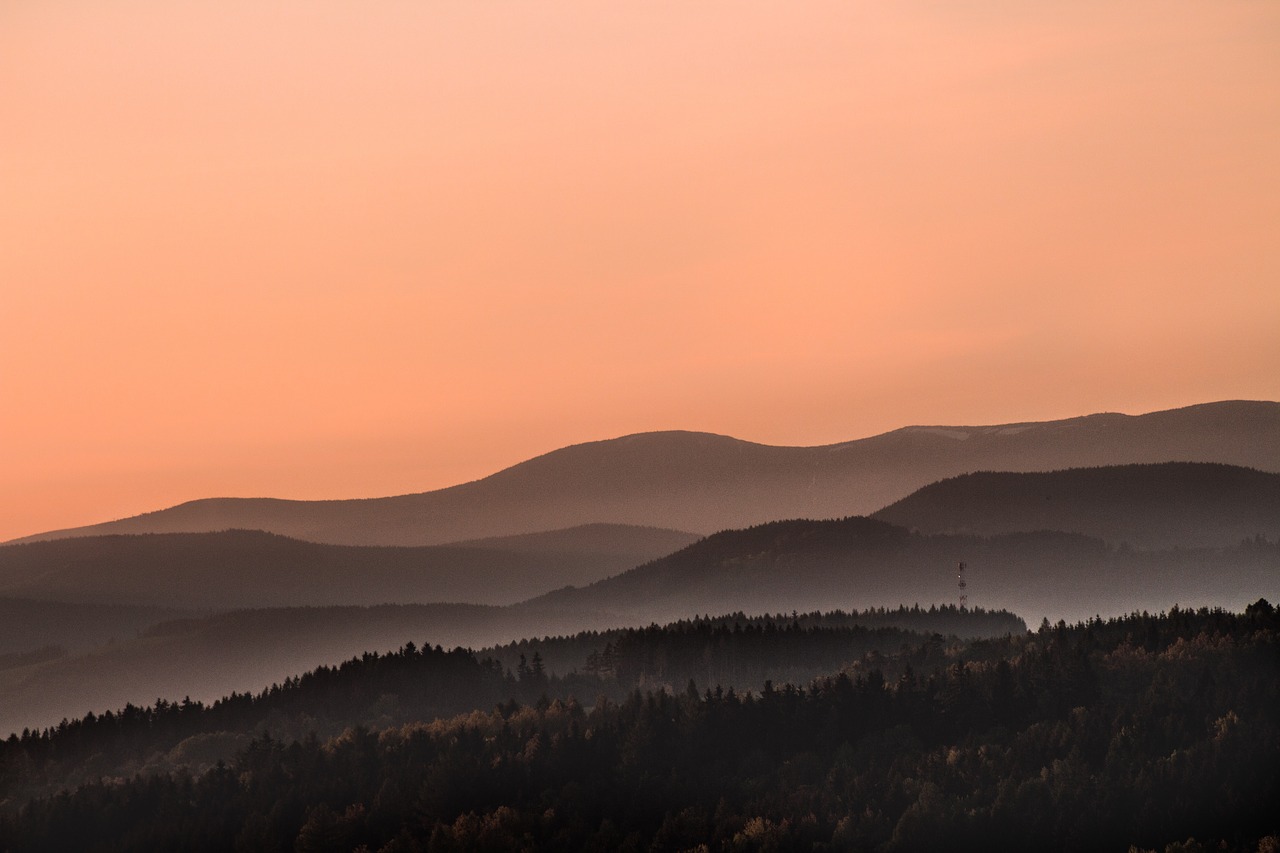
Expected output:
{"points": [[338, 249]]}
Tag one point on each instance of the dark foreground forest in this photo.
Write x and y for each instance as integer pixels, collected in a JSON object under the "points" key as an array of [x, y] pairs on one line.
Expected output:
{"points": [[1157, 732]]}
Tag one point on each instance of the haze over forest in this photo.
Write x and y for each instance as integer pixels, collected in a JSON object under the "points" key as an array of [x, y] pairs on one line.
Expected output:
{"points": [[172, 602]]}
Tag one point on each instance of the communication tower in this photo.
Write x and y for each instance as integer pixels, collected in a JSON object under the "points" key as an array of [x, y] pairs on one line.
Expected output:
{"points": [[962, 586]]}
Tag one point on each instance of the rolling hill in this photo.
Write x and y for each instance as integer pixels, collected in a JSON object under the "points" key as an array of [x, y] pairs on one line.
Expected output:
{"points": [[1174, 504], [704, 483], [862, 562], [242, 568]]}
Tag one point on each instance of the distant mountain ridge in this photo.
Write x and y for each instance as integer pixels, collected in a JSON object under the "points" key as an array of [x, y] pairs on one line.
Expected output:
{"points": [[1063, 518], [1164, 505], [250, 568], [703, 482]]}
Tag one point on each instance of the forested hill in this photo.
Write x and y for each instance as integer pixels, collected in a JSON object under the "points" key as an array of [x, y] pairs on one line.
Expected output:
{"points": [[420, 684], [1169, 505], [816, 565], [243, 650], [703, 483], [1141, 733], [777, 647]]}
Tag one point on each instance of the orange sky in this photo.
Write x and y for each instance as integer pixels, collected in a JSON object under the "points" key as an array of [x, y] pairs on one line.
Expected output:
{"points": [[338, 249]]}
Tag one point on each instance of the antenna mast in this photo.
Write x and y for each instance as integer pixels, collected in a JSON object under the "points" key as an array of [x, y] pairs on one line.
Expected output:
{"points": [[962, 586]]}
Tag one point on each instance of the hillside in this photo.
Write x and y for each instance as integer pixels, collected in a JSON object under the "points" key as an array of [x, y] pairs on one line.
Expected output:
{"points": [[863, 562], [1174, 504], [242, 568], [611, 543], [27, 625], [704, 483]]}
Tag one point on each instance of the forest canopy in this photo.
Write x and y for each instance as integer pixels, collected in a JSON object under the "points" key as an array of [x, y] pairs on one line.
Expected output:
{"points": [[1147, 730]]}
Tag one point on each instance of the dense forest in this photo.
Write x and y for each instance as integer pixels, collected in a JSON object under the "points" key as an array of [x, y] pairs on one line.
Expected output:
{"points": [[1149, 730], [415, 684]]}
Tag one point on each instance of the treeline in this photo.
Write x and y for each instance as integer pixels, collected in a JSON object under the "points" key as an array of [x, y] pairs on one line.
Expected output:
{"points": [[422, 684], [745, 651], [1146, 731]]}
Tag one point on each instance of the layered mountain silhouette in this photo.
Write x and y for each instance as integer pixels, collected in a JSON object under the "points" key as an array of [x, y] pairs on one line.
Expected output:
{"points": [[854, 563], [1014, 563], [1067, 523], [1189, 513], [704, 483], [244, 568], [1169, 505]]}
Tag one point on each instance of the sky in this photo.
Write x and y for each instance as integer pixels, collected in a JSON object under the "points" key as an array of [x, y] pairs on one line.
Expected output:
{"points": [[345, 249]]}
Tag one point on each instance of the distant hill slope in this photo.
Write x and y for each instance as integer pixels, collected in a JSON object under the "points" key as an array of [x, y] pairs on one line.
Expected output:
{"points": [[27, 625], [618, 542], [240, 568], [703, 483], [863, 562], [1174, 504]]}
